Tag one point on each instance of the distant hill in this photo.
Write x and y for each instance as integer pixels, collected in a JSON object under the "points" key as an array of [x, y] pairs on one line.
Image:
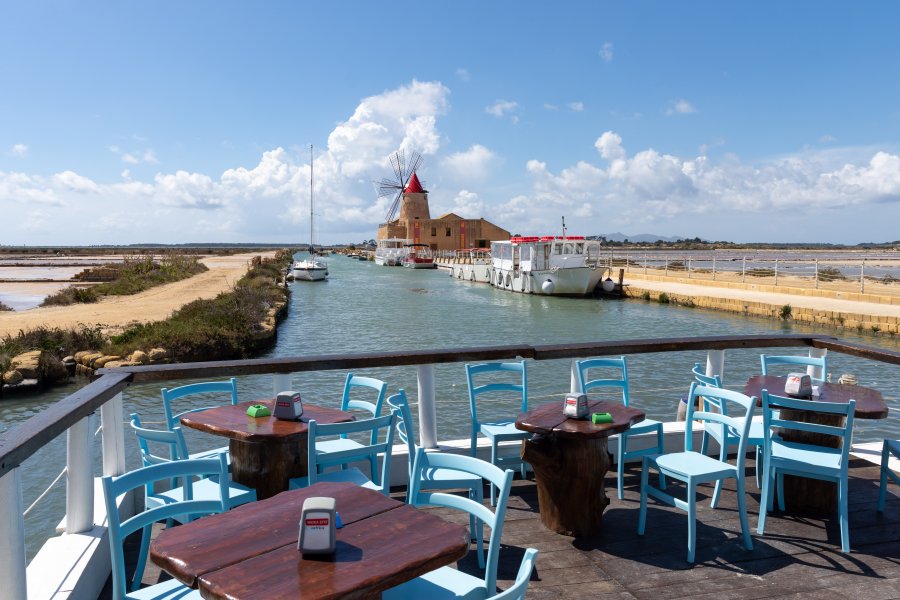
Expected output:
{"points": [[641, 238]]}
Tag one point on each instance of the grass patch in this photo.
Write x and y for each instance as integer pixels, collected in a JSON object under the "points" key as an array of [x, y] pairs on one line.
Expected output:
{"points": [[831, 274], [59, 341], [227, 326], [785, 312], [4, 307], [645, 296], [664, 298], [136, 274], [760, 272]]}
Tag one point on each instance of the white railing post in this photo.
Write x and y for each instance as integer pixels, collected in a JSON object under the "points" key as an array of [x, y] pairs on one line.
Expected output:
{"points": [[690, 258], [776, 271], [112, 435], [79, 478], [281, 382], [862, 277], [715, 364], [714, 267], [12, 538], [427, 414], [816, 372], [817, 273], [743, 268], [666, 258]]}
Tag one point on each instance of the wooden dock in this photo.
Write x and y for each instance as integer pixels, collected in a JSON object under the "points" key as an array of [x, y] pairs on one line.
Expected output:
{"points": [[798, 557]]}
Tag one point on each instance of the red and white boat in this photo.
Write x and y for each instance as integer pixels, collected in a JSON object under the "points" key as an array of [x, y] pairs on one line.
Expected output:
{"points": [[419, 257]]}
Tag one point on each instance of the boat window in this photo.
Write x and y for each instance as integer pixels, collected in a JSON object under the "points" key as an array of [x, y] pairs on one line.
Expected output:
{"points": [[557, 248], [567, 248], [506, 252], [579, 248], [525, 252]]}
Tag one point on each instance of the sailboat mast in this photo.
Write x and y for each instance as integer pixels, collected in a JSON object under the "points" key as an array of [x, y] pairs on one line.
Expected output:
{"points": [[311, 247]]}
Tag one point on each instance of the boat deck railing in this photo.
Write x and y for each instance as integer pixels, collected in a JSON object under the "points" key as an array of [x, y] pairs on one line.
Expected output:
{"points": [[71, 416]]}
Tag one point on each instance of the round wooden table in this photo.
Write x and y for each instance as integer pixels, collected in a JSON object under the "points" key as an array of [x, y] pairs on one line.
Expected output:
{"points": [[570, 460], [265, 452], [804, 493]]}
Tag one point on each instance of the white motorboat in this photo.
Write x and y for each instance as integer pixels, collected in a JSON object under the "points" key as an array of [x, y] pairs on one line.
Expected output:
{"points": [[419, 257], [549, 265], [314, 268], [390, 252]]}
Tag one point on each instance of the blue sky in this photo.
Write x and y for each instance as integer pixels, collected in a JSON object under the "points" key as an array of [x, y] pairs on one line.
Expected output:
{"points": [[191, 121]]}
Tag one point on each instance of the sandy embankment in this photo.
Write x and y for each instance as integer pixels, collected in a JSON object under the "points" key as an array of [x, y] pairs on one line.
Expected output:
{"points": [[115, 313]]}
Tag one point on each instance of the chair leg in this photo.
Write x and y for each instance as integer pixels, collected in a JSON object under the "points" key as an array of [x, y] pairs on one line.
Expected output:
{"points": [[645, 481], [742, 510], [780, 491], [476, 526], [765, 501], [842, 514], [620, 466], [376, 473], [723, 456], [759, 458], [493, 462], [882, 492], [661, 448], [692, 520]]}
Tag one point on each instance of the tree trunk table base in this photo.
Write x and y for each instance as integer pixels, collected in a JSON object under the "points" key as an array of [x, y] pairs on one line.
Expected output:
{"points": [[569, 474], [267, 466]]}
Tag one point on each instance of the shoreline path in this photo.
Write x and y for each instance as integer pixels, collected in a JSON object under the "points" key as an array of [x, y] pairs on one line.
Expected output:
{"points": [[114, 313]]}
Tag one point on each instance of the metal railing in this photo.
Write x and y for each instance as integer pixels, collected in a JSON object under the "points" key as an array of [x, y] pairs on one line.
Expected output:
{"points": [[105, 393]]}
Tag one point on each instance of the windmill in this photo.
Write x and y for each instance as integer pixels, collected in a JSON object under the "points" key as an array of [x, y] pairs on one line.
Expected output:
{"points": [[393, 188]]}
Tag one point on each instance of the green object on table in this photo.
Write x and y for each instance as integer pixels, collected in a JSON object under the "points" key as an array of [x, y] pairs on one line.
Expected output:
{"points": [[598, 418], [258, 410]]}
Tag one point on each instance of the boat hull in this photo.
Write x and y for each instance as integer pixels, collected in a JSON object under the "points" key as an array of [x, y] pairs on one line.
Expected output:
{"points": [[307, 270], [577, 281]]}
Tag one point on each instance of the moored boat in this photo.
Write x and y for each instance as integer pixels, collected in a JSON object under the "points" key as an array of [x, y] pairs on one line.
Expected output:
{"points": [[418, 257], [390, 252], [548, 265], [313, 268]]}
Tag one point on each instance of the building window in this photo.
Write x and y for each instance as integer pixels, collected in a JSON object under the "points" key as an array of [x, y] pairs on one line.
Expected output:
{"points": [[448, 232], [434, 232]]}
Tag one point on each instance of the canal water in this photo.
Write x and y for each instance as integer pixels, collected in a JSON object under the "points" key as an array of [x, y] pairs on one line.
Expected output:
{"points": [[363, 307]]}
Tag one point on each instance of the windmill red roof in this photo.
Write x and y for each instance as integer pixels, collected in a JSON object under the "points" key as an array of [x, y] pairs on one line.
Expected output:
{"points": [[413, 187]]}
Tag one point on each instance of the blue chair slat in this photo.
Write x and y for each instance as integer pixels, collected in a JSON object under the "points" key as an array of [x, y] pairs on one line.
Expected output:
{"points": [[435, 478], [372, 408], [319, 461], [695, 468], [447, 582], [517, 590], [202, 489], [720, 433], [888, 449], [818, 362], [802, 459], [620, 383], [118, 530], [170, 395], [505, 429]]}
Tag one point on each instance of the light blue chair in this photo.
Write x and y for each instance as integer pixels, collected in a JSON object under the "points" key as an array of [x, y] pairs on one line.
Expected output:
{"points": [[802, 459], [438, 479], [319, 461], [720, 433], [447, 582], [891, 447], [517, 590], [118, 530], [505, 429], [694, 468], [372, 408], [207, 388], [203, 489], [620, 384], [767, 361]]}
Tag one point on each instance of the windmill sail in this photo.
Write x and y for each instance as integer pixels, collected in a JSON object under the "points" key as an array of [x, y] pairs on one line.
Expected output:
{"points": [[393, 188]]}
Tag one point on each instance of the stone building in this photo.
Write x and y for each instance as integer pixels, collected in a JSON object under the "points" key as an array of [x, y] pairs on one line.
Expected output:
{"points": [[447, 232]]}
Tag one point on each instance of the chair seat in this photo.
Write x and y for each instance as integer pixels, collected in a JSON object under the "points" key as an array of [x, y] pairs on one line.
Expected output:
{"points": [[167, 590], [818, 457], [350, 475], [503, 430], [204, 489], [693, 465], [444, 582], [894, 446], [644, 426]]}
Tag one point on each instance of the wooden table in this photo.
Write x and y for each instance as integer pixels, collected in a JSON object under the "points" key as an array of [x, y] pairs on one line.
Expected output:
{"points": [[804, 493], [570, 459], [265, 452], [251, 551]]}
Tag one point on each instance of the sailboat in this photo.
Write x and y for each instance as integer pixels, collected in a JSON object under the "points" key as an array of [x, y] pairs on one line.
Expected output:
{"points": [[313, 268]]}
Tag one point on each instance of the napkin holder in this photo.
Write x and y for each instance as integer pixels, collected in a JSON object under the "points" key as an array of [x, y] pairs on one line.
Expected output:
{"points": [[317, 526], [798, 384], [575, 406], [288, 406]]}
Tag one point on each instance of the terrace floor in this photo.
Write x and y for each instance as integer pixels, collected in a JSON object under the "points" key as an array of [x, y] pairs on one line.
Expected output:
{"points": [[799, 556]]}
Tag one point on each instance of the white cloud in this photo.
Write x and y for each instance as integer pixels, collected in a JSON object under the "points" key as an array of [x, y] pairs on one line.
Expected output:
{"points": [[502, 108], [19, 150], [681, 107], [150, 157], [610, 146], [549, 106], [74, 182], [576, 106], [606, 52], [827, 139], [466, 204], [473, 164], [130, 159], [463, 74]]}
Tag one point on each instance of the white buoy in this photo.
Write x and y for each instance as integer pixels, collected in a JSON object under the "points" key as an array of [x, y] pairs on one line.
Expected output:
{"points": [[608, 285], [547, 287]]}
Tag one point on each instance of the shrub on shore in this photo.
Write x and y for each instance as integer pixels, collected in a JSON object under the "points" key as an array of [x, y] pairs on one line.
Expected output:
{"points": [[53, 339], [134, 275], [4, 307]]}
